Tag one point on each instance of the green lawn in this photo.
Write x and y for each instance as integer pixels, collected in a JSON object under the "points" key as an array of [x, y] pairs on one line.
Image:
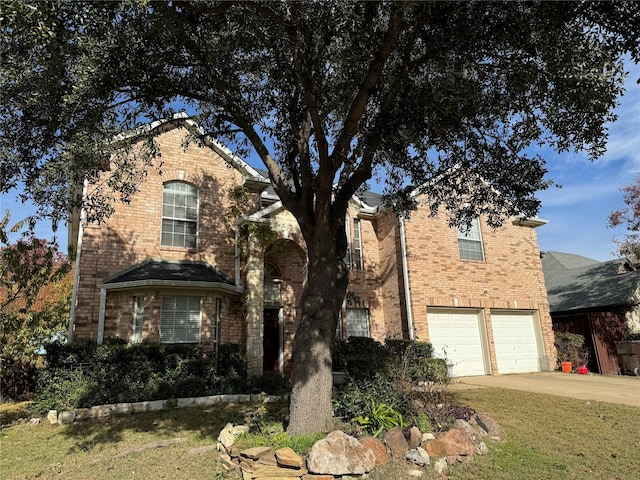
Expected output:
{"points": [[548, 438]]}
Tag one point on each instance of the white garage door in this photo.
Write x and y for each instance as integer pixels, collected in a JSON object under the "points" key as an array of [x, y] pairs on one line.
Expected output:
{"points": [[455, 335], [514, 338]]}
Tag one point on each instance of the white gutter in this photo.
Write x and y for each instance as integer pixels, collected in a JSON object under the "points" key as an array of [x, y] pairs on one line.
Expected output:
{"points": [[405, 276], [76, 275]]}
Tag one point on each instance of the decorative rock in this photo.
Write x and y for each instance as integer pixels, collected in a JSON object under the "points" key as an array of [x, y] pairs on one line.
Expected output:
{"points": [[493, 428], [52, 416], [83, 413], [286, 457], [427, 436], [435, 448], [474, 432], [226, 437], [420, 458], [65, 418], [396, 443], [256, 452], [415, 437], [440, 465], [458, 445], [35, 421], [277, 472], [311, 476], [239, 430], [378, 449], [123, 408], [340, 454]]}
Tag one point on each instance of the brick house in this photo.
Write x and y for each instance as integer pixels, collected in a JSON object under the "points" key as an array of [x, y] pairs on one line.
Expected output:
{"points": [[172, 266]]}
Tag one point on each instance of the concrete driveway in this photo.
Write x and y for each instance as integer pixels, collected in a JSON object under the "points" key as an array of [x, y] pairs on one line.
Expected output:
{"points": [[613, 389]]}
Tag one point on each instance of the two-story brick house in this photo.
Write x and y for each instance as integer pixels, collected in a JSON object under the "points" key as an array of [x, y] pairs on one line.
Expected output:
{"points": [[173, 266]]}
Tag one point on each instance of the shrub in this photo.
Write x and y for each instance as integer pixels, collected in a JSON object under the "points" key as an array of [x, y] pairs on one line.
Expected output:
{"points": [[360, 357], [271, 383], [82, 376], [570, 348], [380, 417], [17, 379]]}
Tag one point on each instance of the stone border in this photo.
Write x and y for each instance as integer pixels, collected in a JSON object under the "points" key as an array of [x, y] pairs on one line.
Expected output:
{"points": [[69, 416]]}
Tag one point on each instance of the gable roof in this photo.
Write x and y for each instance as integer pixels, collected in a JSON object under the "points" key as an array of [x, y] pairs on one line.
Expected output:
{"points": [[169, 273], [575, 282]]}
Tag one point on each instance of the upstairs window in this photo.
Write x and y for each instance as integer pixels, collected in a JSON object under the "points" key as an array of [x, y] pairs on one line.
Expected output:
{"points": [[470, 242], [358, 263], [179, 215], [347, 257]]}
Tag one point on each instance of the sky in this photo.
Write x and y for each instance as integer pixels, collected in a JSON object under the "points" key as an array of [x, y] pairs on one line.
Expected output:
{"points": [[577, 213]]}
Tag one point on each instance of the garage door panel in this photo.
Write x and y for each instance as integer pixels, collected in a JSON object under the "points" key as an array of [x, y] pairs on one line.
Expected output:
{"points": [[516, 346], [456, 337]]}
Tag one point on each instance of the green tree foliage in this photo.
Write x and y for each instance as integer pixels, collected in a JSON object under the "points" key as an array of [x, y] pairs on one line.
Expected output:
{"points": [[445, 97]]}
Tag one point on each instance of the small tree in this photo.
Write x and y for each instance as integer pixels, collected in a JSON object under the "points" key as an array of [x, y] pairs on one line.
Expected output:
{"points": [[628, 215], [35, 298]]}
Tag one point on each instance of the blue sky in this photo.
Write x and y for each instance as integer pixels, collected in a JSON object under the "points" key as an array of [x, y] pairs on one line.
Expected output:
{"points": [[577, 212]]}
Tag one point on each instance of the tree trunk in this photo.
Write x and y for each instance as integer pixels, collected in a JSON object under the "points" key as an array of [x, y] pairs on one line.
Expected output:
{"points": [[327, 280]]}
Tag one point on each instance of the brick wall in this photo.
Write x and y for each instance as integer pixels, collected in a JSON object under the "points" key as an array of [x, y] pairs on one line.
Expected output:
{"points": [[132, 234]]}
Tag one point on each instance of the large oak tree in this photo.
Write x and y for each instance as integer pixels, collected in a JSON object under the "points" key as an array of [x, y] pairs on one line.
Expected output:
{"points": [[446, 98]]}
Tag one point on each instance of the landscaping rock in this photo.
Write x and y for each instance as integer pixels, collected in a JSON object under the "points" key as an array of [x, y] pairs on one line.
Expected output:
{"points": [[340, 454], [396, 443], [52, 416], [287, 457], [458, 445], [489, 425], [311, 476], [435, 448], [35, 421], [378, 449], [66, 418], [256, 452], [226, 437], [83, 413], [277, 472], [418, 456], [414, 437], [440, 465], [427, 436], [475, 434]]}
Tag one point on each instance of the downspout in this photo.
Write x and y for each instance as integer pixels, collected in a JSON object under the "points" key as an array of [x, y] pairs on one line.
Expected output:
{"points": [[239, 223], [76, 275], [405, 276], [101, 313]]}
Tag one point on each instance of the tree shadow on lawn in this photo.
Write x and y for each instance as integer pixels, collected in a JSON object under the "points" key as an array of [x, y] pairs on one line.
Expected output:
{"points": [[196, 423]]}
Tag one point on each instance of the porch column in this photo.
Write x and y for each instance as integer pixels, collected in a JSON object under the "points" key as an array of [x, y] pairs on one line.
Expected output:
{"points": [[254, 297]]}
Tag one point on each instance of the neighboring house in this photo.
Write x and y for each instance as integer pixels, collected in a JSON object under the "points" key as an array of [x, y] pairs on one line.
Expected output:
{"points": [[172, 266], [599, 300]]}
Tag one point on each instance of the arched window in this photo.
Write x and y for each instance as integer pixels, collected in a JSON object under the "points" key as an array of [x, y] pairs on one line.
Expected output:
{"points": [[179, 215], [272, 287]]}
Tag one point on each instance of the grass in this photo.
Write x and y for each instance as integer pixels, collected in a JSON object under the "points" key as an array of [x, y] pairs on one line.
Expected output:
{"points": [[549, 437]]}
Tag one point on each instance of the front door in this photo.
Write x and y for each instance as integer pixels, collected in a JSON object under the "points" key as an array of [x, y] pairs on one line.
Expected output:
{"points": [[271, 341]]}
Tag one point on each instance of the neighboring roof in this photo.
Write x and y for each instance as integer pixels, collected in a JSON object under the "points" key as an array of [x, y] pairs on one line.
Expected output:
{"points": [[575, 282], [171, 274]]}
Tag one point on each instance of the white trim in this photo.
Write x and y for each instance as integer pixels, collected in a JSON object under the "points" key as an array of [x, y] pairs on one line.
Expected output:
{"points": [[76, 275]]}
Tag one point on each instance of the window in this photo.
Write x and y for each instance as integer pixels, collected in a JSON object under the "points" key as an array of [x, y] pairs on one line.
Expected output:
{"points": [[181, 319], [347, 257], [357, 245], [470, 242], [272, 290], [138, 319], [357, 322], [179, 215]]}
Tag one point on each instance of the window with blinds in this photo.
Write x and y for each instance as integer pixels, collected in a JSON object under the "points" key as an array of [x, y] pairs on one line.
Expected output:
{"points": [[179, 215], [357, 322], [181, 319], [470, 242], [358, 262]]}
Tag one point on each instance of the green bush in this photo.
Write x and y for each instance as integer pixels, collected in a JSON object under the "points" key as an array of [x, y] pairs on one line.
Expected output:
{"points": [[360, 357], [271, 383], [82, 376]]}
